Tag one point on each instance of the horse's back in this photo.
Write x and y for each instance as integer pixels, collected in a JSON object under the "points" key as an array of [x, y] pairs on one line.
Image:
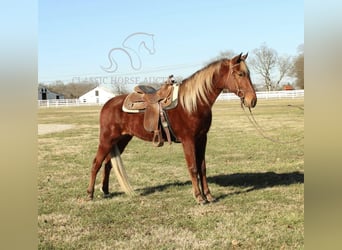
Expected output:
{"points": [[113, 104], [119, 122]]}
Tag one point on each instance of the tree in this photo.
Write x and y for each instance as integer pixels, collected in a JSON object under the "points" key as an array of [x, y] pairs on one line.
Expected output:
{"points": [[298, 69], [226, 54], [119, 88], [271, 67], [285, 66], [71, 90], [223, 54]]}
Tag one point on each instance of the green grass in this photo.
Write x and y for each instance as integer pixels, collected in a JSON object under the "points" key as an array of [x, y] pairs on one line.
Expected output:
{"points": [[259, 185]]}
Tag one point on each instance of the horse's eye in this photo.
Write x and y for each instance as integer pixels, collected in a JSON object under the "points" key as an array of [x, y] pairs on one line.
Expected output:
{"points": [[241, 74]]}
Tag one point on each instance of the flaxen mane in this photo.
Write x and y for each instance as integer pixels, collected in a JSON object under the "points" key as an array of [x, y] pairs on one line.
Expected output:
{"points": [[197, 86]]}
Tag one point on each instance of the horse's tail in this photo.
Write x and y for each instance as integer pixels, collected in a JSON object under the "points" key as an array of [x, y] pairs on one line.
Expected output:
{"points": [[120, 172]]}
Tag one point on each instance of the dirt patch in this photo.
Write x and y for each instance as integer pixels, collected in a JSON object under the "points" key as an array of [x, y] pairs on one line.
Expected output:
{"points": [[52, 128]]}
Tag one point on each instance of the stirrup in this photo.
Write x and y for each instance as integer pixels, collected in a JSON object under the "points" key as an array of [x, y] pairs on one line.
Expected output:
{"points": [[157, 139]]}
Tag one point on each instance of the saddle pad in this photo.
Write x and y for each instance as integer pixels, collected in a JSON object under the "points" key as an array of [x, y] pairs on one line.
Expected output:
{"points": [[173, 104]]}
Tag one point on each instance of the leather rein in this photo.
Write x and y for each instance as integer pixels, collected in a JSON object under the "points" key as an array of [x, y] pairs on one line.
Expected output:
{"points": [[240, 93], [260, 129]]}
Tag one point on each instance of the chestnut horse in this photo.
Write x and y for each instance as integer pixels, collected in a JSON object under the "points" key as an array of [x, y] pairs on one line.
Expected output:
{"points": [[190, 121]]}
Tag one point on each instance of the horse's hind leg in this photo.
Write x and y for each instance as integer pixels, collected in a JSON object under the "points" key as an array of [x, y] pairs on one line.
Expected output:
{"points": [[105, 176], [102, 151]]}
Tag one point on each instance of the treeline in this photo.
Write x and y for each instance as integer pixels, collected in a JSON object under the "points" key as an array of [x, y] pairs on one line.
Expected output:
{"points": [[70, 90]]}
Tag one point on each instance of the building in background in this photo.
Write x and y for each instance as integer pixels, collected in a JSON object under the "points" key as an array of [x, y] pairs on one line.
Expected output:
{"points": [[288, 87], [45, 94], [98, 95]]}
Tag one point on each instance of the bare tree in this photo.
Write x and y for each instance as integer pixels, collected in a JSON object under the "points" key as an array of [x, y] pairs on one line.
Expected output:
{"points": [[223, 54], [298, 69], [285, 67], [71, 90], [226, 54], [119, 88], [271, 67]]}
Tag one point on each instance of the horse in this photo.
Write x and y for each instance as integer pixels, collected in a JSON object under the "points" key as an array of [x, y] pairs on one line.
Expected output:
{"points": [[131, 47], [190, 121]]}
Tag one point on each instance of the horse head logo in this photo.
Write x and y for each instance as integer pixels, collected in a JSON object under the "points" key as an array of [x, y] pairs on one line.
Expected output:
{"points": [[131, 46]]}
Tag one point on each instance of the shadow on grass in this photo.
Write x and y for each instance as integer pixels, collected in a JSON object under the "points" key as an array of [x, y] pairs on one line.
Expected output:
{"points": [[112, 195], [256, 181], [252, 181]]}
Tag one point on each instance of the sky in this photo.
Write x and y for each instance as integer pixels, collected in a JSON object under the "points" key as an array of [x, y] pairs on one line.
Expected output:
{"points": [[79, 40]]}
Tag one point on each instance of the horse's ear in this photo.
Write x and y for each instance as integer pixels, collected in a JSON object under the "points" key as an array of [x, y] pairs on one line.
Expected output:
{"points": [[243, 57], [236, 59]]}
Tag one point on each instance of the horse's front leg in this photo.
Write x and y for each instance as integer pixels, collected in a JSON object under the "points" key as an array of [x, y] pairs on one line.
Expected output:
{"points": [[201, 144], [193, 168], [204, 183]]}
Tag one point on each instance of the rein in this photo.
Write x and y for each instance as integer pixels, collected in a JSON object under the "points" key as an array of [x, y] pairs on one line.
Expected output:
{"points": [[240, 93], [259, 128], [237, 87]]}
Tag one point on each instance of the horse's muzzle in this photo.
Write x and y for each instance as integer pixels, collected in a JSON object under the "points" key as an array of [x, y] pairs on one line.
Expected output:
{"points": [[253, 102], [250, 101]]}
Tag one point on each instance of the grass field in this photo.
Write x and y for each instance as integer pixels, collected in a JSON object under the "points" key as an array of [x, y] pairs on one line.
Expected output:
{"points": [[259, 185]]}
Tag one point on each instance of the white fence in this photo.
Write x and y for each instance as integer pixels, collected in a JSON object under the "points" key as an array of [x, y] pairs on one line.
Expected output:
{"points": [[64, 103], [286, 94]]}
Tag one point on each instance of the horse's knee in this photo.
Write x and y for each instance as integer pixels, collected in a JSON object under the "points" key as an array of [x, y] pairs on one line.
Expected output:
{"points": [[193, 171]]}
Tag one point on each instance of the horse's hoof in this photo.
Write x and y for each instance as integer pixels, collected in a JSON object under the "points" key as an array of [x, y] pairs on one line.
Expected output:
{"points": [[211, 199], [105, 196], [201, 200], [89, 198]]}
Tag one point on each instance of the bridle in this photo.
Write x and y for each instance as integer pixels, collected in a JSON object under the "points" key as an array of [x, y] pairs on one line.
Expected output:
{"points": [[239, 92]]}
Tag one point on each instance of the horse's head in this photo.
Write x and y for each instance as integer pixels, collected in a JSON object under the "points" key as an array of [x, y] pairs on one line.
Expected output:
{"points": [[238, 81]]}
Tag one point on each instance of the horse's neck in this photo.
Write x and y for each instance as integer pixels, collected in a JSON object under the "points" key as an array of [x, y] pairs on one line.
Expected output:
{"points": [[218, 86], [216, 90], [203, 106], [212, 96]]}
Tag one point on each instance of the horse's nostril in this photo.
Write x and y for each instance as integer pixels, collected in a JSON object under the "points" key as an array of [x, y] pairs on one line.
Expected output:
{"points": [[253, 102]]}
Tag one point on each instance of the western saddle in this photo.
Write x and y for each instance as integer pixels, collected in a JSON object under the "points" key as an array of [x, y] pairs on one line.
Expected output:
{"points": [[153, 103]]}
